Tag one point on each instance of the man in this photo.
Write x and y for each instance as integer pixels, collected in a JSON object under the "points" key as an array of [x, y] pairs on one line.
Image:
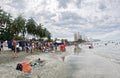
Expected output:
{"points": [[14, 44]]}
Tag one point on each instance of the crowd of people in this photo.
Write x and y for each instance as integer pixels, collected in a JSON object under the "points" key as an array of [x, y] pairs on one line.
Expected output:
{"points": [[33, 46]]}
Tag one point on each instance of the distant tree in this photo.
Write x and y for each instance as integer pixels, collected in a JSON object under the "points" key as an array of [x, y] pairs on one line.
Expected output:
{"points": [[8, 34], [3, 17], [80, 41], [39, 30], [5, 23], [11, 27], [31, 26], [18, 25], [47, 34]]}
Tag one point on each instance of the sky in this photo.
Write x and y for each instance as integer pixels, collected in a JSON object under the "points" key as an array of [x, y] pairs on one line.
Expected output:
{"points": [[97, 19]]}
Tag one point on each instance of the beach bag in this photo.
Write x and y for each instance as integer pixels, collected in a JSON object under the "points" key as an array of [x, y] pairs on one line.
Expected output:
{"points": [[19, 67]]}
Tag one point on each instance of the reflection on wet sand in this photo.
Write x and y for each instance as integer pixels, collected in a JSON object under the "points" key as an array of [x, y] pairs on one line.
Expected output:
{"points": [[63, 58], [77, 50]]}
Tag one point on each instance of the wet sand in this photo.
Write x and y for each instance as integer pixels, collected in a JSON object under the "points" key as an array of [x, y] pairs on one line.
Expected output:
{"points": [[89, 65]]}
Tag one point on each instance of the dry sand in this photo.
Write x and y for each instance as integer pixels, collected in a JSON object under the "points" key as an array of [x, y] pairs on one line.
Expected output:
{"points": [[52, 67]]}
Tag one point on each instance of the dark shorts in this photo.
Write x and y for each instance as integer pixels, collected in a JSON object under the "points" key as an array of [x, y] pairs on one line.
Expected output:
{"points": [[1, 46], [14, 48]]}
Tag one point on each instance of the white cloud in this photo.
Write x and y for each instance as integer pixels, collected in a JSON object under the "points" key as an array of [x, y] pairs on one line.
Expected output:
{"points": [[107, 36], [95, 18]]}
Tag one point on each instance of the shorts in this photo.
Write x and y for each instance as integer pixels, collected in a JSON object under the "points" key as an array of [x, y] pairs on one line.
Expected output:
{"points": [[14, 48], [1, 46]]}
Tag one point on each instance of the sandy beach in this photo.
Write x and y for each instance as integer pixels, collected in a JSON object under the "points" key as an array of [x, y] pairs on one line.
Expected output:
{"points": [[52, 67], [87, 63]]}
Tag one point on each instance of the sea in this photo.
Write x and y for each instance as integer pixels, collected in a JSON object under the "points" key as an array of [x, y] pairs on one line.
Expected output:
{"points": [[108, 49]]}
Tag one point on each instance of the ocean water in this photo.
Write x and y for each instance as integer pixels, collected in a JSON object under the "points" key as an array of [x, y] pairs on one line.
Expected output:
{"points": [[102, 61], [110, 51]]}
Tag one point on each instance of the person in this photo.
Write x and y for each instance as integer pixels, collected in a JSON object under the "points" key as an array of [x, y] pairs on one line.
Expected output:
{"points": [[91, 46], [62, 48], [32, 46], [14, 45], [1, 46], [55, 47]]}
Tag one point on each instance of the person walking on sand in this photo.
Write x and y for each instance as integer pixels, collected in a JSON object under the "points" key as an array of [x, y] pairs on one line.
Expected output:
{"points": [[14, 44]]}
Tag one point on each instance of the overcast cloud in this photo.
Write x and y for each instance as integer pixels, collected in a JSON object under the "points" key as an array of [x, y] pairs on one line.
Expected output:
{"points": [[97, 19]]}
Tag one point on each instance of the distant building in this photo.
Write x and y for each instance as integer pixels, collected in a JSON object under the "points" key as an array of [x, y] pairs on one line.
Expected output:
{"points": [[77, 36]]}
